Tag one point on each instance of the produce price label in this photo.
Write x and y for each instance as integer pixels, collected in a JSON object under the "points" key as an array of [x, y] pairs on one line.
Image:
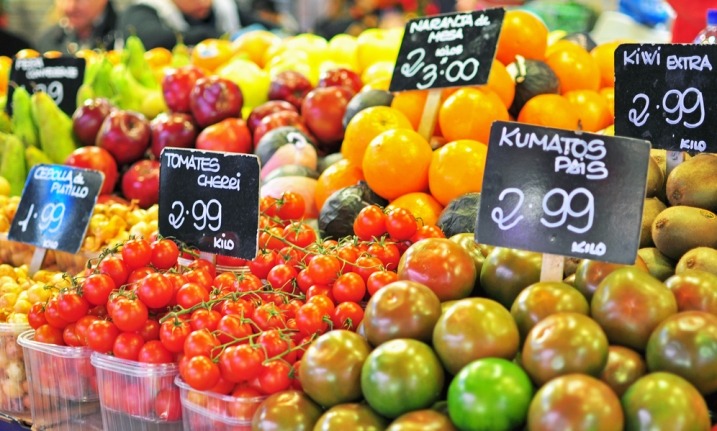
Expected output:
{"points": [[210, 200], [561, 192], [667, 94], [56, 206], [61, 78], [448, 50]]}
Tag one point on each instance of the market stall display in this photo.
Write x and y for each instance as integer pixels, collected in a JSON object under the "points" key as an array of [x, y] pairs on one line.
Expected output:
{"points": [[369, 301]]}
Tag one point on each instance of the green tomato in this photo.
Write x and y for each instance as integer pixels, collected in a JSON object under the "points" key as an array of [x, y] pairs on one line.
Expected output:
{"points": [[400, 376], [489, 394], [350, 417]]}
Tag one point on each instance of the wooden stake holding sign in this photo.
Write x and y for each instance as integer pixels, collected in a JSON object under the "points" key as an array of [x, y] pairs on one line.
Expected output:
{"points": [[563, 193], [55, 209], [441, 51], [210, 200], [662, 94]]}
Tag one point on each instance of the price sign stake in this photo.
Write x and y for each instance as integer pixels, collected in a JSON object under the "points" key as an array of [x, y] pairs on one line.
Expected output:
{"points": [[210, 200], [449, 50], [55, 209], [61, 78], [662, 94], [563, 193]]}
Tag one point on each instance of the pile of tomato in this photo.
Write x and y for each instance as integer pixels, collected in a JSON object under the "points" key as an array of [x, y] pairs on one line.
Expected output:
{"points": [[242, 332]]}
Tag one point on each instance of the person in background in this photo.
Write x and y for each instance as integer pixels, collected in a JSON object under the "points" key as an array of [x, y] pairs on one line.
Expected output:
{"points": [[159, 22], [82, 24]]}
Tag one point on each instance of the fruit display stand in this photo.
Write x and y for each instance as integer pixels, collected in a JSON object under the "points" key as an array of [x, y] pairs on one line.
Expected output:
{"points": [[367, 267]]}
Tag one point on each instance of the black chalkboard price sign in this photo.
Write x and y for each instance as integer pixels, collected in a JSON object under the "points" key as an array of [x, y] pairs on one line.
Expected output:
{"points": [[564, 193], [449, 50], [210, 200], [61, 78], [56, 206], [667, 94]]}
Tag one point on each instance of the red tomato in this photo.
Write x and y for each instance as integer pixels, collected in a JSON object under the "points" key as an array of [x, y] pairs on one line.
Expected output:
{"points": [[168, 405], [54, 315], [379, 279], [203, 318], [127, 345], [323, 301], [36, 315], [137, 274], [349, 287], [300, 234], [172, 334], [114, 267], [155, 290], [262, 263], [101, 336], [268, 316], [311, 319], [129, 314], [154, 352], [136, 253], [387, 252], [69, 336], [282, 277], [347, 315], [97, 288], [200, 373], [205, 265], [164, 253], [427, 231], [274, 377], [241, 362], [324, 269], [201, 342], [401, 224], [49, 334], [270, 238], [370, 223], [200, 276], [367, 265], [150, 330], [191, 294], [290, 206], [231, 328], [82, 326]]}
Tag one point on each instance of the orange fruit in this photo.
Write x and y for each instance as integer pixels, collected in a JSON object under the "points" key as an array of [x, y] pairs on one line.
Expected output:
{"points": [[366, 125], [423, 206], [561, 45], [604, 56], [158, 57], [549, 110], [52, 54], [502, 84], [396, 162], [27, 53], [523, 33], [469, 113], [609, 94], [212, 53], [411, 103], [456, 168], [575, 68], [337, 176], [592, 109], [254, 45]]}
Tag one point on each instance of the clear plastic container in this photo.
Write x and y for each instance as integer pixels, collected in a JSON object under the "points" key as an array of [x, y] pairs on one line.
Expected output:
{"points": [[208, 411], [137, 396], [14, 396], [62, 385], [708, 35]]}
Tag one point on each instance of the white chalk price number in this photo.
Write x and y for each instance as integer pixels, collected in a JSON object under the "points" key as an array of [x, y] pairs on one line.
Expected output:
{"points": [[456, 71], [51, 217], [54, 89], [558, 207], [686, 107], [205, 215]]}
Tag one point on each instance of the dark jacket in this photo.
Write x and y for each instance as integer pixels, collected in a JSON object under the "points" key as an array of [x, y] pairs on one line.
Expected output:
{"points": [[145, 21], [60, 38]]}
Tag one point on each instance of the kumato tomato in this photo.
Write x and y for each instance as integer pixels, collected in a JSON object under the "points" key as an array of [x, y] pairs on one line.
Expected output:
{"points": [[402, 309], [330, 370], [624, 366], [351, 416], [686, 344], [629, 304], [506, 272], [564, 343], [664, 401], [575, 402], [542, 299], [694, 290], [422, 420], [489, 394], [400, 376], [590, 273], [474, 328], [286, 411], [442, 265]]}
